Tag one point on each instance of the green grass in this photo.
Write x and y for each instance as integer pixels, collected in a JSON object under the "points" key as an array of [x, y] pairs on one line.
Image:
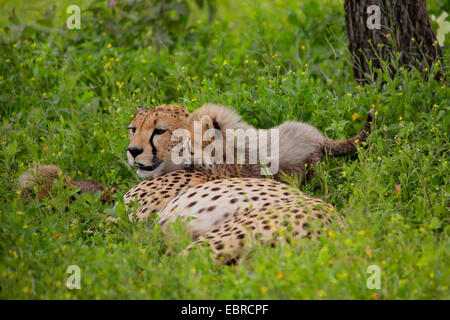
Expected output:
{"points": [[67, 102]]}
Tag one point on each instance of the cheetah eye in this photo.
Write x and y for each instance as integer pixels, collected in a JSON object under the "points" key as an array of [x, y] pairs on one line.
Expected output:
{"points": [[159, 131], [133, 129]]}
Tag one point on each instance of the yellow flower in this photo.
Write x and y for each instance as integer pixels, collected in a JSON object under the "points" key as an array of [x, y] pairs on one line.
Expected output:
{"points": [[263, 289], [435, 106], [280, 275], [109, 45], [431, 275], [320, 293], [26, 290], [375, 295], [425, 69], [225, 62], [401, 118], [422, 229], [19, 192]]}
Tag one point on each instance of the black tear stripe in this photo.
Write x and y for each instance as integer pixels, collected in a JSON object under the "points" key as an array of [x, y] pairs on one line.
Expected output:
{"points": [[154, 151]]}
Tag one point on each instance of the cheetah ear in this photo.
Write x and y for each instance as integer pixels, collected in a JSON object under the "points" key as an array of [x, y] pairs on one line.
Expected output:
{"points": [[207, 123], [139, 109]]}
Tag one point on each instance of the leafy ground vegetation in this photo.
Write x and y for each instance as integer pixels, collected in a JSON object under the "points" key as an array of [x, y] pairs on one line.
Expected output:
{"points": [[67, 96]]}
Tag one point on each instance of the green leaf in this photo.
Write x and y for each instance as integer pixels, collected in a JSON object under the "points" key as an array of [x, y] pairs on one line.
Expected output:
{"points": [[11, 148], [13, 17], [111, 212], [200, 3], [435, 223], [444, 27], [45, 22]]}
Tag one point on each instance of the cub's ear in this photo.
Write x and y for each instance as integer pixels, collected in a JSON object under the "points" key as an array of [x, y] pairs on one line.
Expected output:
{"points": [[207, 123], [139, 109]]}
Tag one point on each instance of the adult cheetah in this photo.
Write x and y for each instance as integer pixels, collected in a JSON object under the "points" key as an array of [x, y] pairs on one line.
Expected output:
{"points": [[230, 215]]}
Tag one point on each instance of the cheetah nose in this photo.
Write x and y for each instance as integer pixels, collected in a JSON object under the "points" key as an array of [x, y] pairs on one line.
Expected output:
{"points": [[135, 151]]}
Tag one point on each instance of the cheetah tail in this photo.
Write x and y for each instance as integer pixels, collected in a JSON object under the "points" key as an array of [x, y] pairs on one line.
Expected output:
{"points": [[39, 180], [345, 147]]}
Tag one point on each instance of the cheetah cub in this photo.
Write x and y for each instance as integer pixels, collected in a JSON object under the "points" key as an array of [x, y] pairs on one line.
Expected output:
{"points": [[221, 143]]}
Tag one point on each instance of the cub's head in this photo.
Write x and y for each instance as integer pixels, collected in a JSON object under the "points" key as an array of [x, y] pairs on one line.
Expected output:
{"points": [[150, 135]]}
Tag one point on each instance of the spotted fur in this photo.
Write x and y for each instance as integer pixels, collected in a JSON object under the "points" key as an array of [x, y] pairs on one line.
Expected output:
{"points": [[153, 195], [230, 215]]}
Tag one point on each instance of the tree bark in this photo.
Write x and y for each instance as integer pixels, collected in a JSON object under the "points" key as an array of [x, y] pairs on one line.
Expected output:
{"points": [[404, 28]]}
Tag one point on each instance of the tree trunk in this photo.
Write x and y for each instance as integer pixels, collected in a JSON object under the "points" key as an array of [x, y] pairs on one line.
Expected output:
{"points": [[404, 27]]}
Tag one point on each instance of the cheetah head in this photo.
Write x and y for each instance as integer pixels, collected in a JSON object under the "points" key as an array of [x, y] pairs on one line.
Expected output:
{"points": [[151, 143]]}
